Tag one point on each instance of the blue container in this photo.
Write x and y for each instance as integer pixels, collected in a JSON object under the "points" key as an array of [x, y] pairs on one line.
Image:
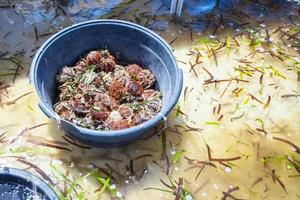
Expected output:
{"points": [[131, 43], [16, 184]]}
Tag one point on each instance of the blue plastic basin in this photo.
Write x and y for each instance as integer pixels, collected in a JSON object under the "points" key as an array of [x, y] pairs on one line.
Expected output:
{"points": [[131, 43], [16, 184]]}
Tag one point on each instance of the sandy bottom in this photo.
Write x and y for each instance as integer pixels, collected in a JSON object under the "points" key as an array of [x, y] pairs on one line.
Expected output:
{"points": [[243, 118]]}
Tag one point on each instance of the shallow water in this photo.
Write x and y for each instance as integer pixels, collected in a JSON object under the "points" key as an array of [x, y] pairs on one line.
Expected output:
{"points": [[237, 119]]}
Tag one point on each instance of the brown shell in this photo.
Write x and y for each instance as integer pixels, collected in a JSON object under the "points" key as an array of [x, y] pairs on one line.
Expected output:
{"points": [[116, 90], [133, 70], [125, 111], [121, 76], [118, 124], [65, 74], [140, 117], [80, 66], [107, 64], [135, 88], [100, 115], [146, 78], [114, 105], [63, 111], [114, 98], [102, 99], [93, 57]]}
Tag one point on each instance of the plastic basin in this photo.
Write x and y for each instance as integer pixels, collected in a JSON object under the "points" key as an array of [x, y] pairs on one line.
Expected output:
{"points": [[130, 43], [17, 184]]}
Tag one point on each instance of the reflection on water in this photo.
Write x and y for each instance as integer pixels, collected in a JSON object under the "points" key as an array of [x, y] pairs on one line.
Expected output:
{"points": [[233, 134]]}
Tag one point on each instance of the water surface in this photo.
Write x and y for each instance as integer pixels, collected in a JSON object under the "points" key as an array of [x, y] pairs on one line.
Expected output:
{"points": [[240, 98]]}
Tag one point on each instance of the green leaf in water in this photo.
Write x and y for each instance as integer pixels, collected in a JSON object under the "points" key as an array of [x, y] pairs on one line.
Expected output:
{"points": [[28, 150], [81, 196], [289, 166], [186, 195], [276, 72], [295, 29], [72, 185], [261, 122], [177, 156], [213, 123], [178, 111], [205, 41], [30, 108], [107, 186], [246, 101]]}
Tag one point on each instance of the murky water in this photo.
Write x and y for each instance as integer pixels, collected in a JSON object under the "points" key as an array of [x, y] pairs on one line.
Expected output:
{"points": [[240, 98]]}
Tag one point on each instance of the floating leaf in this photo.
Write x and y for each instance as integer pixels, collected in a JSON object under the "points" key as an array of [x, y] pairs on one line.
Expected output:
{"points": [[205, 41], [289, 166], [177, 156], [107, 186], [212, 123], [276, 72], [246, 101]]}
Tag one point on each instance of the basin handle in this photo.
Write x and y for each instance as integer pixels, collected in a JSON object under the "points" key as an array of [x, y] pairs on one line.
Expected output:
{"points": [[165, 123], [60, 122]]}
